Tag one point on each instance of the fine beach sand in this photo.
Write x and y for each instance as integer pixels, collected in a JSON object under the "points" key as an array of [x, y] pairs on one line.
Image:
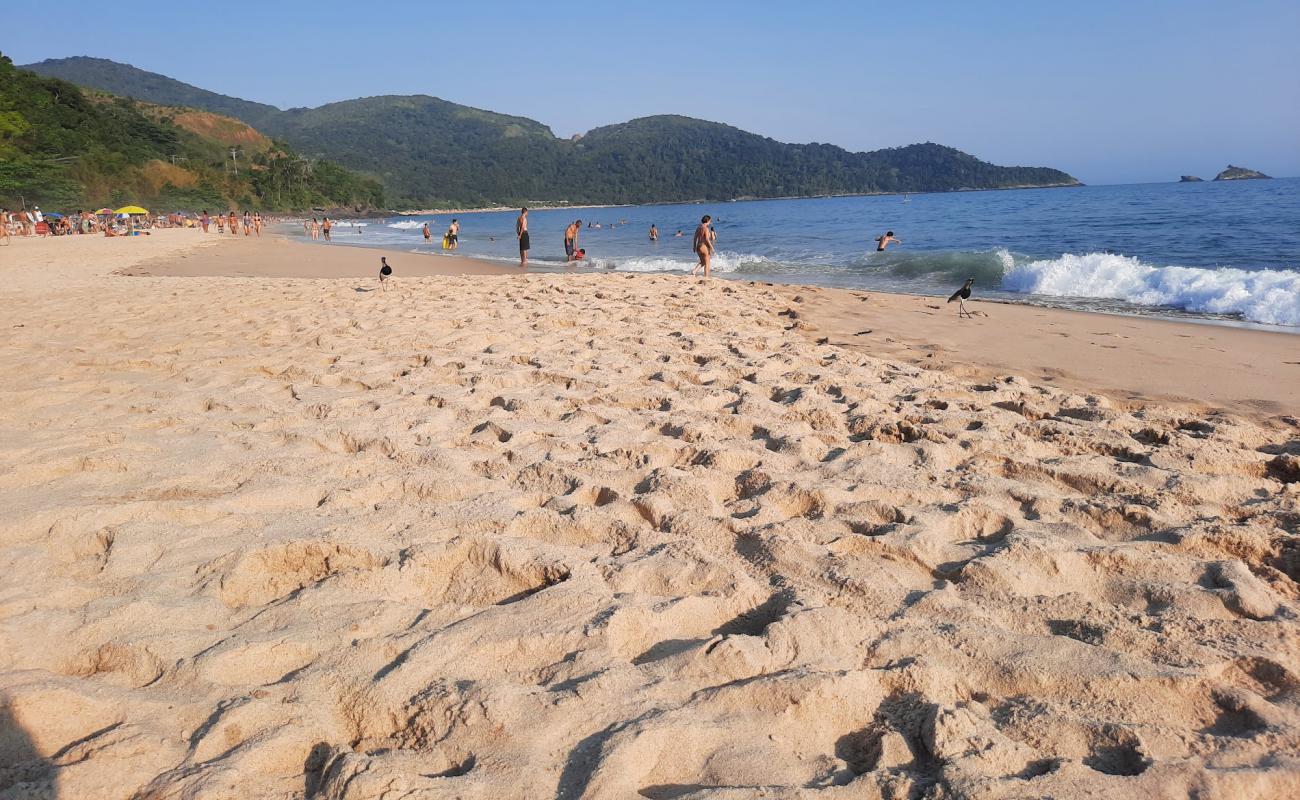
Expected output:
{"points": [[620, 536]]}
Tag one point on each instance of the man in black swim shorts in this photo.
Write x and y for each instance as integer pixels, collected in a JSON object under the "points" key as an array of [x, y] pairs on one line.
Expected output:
{"points": [[571, 240], [521, 230]]}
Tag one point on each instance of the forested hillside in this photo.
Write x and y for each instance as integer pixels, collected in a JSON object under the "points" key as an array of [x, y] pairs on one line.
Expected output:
{"points": [[430, 152], [64, 147]]}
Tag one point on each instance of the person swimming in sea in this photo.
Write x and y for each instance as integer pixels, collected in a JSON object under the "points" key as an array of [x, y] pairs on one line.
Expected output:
{"points": [[885, 241]]}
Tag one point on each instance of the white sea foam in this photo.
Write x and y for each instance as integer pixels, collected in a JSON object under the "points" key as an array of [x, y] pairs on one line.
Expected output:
{"points": [[406, 226], [723, 261], [1268, 296]]}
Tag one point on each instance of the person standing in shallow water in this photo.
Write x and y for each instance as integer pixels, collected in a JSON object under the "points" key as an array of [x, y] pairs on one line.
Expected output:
{"points": [[654, 233], [885, 241], [703, 246], [521, 232], [571, 240]]}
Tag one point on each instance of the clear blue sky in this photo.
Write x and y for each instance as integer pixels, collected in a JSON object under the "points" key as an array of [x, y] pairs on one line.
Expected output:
{"points": [[1112, 92]]}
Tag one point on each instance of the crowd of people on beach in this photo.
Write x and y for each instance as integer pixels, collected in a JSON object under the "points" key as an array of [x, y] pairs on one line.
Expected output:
{"points": [[251, 223], [36, 223]]}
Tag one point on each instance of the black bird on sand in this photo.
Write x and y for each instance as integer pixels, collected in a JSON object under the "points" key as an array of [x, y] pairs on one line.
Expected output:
{"points": [[385, 271], [961, 296]]}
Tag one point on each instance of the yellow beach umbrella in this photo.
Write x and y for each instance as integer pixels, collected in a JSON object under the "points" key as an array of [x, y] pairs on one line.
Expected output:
{"points": [[132, 210]]}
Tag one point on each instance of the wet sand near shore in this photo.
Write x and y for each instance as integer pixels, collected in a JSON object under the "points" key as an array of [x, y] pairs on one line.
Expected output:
{"points": [[1132, 359]]}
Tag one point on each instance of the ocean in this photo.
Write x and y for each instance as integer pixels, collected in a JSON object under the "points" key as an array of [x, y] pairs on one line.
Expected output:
{"points": [[1222, 251]]}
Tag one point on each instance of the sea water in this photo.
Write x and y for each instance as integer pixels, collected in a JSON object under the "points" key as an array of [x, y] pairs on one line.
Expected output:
{"points": [[1228, 251]]}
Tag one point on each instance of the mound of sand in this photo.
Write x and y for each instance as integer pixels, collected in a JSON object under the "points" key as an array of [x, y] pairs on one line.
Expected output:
{"points": [[610, 537]]}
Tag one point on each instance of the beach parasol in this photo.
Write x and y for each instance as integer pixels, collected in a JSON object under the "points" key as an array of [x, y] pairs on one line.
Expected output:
{"points": [[104, 211], [132, 210]]}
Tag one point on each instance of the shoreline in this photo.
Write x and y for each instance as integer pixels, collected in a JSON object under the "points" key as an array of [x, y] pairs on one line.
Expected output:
{"points": [[552, 206], [1132, 359]]}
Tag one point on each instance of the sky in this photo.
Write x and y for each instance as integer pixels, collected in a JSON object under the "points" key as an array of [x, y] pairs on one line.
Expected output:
{"points": [[1111, 92]]}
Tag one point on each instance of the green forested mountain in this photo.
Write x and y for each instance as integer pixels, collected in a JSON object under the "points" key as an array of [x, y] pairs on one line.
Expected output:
{"points": [[64, 147], [127, 81], [430, 152]]}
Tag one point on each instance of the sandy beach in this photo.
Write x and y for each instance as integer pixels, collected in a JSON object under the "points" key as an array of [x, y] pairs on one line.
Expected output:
{"points": [[266, 531]]}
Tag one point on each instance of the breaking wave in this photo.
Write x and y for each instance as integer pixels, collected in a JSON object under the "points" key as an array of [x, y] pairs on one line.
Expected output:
{"points": [[723, 261], [1267, 296]]}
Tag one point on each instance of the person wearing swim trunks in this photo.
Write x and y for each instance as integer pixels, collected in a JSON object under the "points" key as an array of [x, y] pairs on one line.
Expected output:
{"points": [[521, 231], [571, 240], [453, 235], [703, 245], [654, 233], [325, 228], [427, 234], [885, 241]]}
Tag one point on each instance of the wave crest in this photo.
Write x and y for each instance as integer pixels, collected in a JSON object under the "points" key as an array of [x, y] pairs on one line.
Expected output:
{"points": [[1267, 296], [723, 261]]}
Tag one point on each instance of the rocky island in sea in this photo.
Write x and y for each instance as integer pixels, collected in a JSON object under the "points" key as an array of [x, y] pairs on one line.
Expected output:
{"points": [[1190, 179], [1240, 174]]}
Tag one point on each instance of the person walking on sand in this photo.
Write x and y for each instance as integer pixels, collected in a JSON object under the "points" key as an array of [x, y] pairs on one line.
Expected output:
{"points": [[221, 224], [325, 228], [234, 224], [521, 232], [257, 223], [4, 225], [427, 233], [703, 246], [571, 240], [654, 233], [885, 241], [204, 220]]}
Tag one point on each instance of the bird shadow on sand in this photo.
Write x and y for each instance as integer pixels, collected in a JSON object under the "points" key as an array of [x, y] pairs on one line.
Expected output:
{"points": [[363, 289]]}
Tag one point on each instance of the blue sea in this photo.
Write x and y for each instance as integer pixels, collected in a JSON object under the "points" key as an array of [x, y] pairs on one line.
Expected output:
{"points": [[1226, 251]]}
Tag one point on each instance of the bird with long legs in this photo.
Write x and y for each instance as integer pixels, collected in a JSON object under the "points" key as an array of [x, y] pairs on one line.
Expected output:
{"points": [[961, 296], [385, 272]]}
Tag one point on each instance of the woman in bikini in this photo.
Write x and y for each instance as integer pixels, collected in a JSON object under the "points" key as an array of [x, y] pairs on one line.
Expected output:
{"points": [[703, 245]]}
